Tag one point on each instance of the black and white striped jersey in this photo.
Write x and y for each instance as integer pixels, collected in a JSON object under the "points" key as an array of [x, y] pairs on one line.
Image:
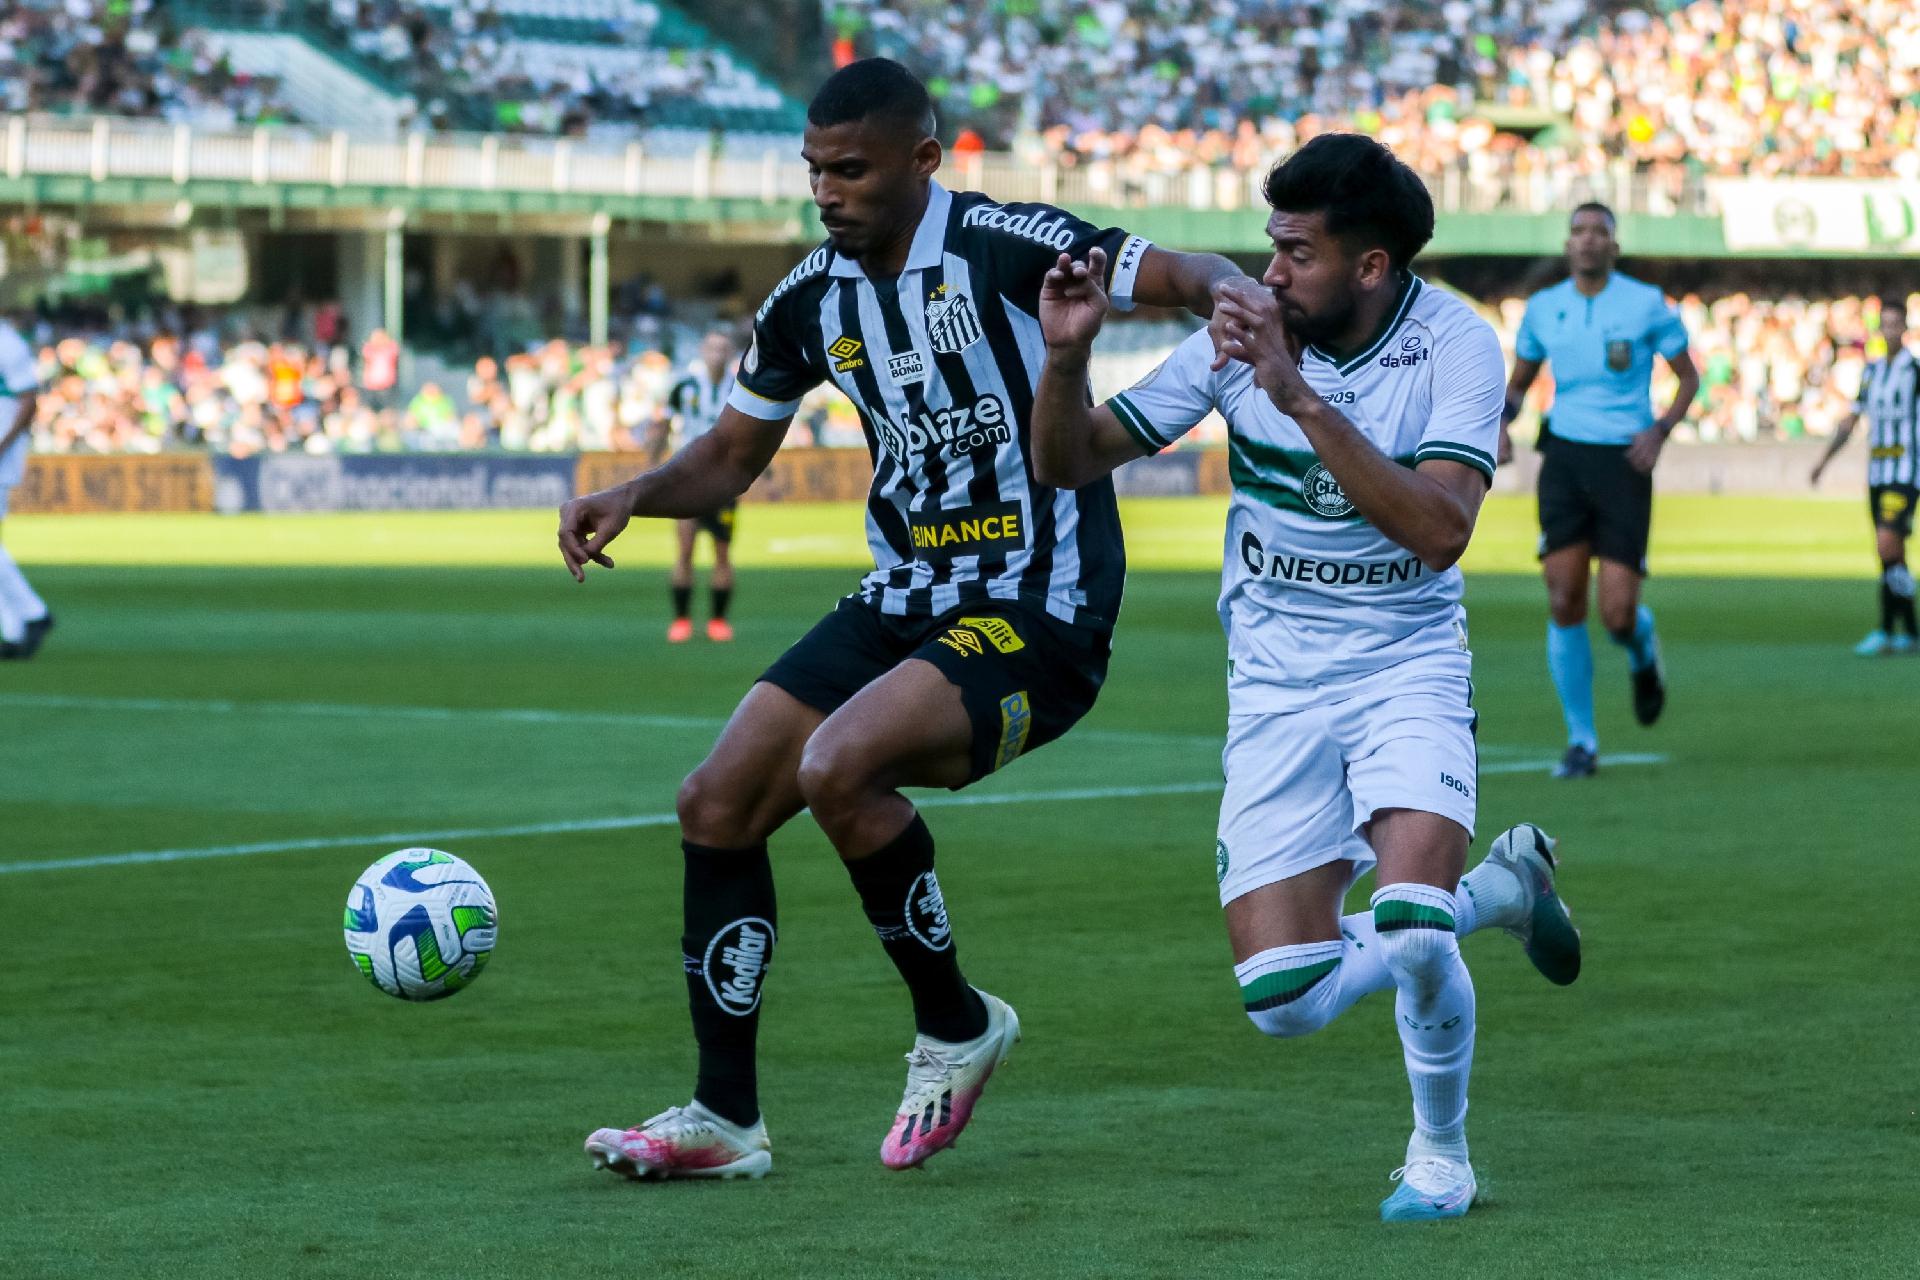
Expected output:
{"points": [[1890, 399], [694, 404], [942, 363]]}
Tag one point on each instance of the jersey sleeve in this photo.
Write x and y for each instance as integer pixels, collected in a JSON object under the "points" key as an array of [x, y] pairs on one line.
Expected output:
{"points": [[1173, 399], [1526, 343], [1668, 333], [1469, 390], [774, 373], [1028, 239], [17, 367]]}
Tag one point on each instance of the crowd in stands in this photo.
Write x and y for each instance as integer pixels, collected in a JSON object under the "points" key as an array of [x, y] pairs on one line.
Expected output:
{"points": [[1717, 87], [1770, 369], [182, 386], [1547, 89], [466, 65], [123, 57]]}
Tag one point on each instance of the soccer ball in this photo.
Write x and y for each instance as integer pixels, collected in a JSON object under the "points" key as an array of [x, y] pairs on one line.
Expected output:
{"points": [[420, 924]]}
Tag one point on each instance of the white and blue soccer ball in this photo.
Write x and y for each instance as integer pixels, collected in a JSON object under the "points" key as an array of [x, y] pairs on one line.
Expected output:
{"points": [[421, 924]]}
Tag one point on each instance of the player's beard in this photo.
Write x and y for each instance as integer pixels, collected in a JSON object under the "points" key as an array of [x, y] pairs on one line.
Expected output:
{"points": [[1322, 327]]}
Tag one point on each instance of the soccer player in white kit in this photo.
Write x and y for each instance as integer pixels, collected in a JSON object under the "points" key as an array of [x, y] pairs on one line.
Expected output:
{"points": [[1364, 409], [24, 617]]}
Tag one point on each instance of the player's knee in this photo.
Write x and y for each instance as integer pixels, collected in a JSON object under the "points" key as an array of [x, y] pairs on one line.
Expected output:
{"points": [[833, 778], [714, 812], [1567, 606], [1415, 925], [1299, 1018], [1619, 619]]}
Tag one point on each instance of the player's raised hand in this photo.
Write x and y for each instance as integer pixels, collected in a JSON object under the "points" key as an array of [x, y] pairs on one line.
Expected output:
{"points": [[1073, 305], [1247, 295], [587, 525], [1255, 335]]}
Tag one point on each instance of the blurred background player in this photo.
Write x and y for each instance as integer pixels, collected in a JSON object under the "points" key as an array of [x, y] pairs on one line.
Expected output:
{"points": [[1352, 729], [691, 409], [982, 633], [1890, 399], [24, 617], [1600, 330]]}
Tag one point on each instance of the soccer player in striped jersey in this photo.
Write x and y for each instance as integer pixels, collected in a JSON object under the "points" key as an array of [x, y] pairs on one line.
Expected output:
{"points": [[1363, 408], [693, 406], [982, 633], [1890, 400], [24, 616]]}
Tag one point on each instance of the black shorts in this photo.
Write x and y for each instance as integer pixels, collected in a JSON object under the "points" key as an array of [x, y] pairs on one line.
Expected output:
{"points": [[719, 525], [1024, 676], [1892, 506], [1590, 493]]}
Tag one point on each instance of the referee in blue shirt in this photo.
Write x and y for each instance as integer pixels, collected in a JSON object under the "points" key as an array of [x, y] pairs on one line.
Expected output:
{"points": [[1599, 442]]}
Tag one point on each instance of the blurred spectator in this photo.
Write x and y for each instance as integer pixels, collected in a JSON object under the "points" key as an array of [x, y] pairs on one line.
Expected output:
{"points": [[123, 57], [1776, 368]]}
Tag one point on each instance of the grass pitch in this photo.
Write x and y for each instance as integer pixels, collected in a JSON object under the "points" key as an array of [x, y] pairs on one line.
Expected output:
{"points": [[197, 1082]]}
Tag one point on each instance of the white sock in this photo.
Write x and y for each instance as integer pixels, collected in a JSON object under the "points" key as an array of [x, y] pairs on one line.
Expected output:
{"points": [[1434, 1006], [1291, 991], [1489, 897], [13, 627], [16, 597]]}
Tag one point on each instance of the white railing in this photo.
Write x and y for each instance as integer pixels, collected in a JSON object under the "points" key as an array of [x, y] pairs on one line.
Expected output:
{"points": [[101, 148]]}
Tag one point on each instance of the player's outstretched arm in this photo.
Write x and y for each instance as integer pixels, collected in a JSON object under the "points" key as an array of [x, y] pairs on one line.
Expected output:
{"points": [[700, 479], [1073, 443]]}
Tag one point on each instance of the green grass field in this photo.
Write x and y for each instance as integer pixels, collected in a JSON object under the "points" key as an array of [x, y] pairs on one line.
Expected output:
{"points": [[198, 1083]]}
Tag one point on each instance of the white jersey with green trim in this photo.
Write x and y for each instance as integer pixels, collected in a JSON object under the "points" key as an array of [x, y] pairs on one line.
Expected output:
{"points": [[1311, 593]]}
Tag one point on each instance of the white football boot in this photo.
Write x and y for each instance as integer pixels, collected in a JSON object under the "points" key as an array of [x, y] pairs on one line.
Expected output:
{"points": [[1434, 1183], [943, 1083], [684, 1142]]}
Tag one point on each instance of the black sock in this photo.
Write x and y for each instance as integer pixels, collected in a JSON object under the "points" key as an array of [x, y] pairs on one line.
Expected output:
{"points": [[726, 950], [722, 597], [903, 902], [1896, 599], [682, 601]]}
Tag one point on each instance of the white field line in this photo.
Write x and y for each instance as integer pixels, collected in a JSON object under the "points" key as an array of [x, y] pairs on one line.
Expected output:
{"points": [[403, 839], [551, 716]]}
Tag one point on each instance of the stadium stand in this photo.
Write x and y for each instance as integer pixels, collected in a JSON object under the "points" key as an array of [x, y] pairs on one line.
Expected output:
{"points": [[1748, 86], [125, 57], [1771, 369]]}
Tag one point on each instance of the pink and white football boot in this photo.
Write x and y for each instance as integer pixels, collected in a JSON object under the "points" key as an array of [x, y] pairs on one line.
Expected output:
{"points": [[684, 1142], [943, 1083]]}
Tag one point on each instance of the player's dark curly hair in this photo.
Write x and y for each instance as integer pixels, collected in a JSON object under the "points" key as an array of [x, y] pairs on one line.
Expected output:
{"points": [[874, 89], [1370, 199]]}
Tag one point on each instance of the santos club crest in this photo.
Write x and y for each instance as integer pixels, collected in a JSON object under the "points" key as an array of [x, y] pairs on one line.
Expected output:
{"points": [[952, 326]]}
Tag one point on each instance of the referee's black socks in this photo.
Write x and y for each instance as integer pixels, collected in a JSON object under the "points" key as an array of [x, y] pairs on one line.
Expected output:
{"points": [[727, 948], [903, 902]]}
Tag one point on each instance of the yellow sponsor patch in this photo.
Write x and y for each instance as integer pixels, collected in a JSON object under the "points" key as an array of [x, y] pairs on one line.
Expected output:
{"points": [[1016, 722], [846, 351], [999, 633], [962, 641], [1893, 505]]}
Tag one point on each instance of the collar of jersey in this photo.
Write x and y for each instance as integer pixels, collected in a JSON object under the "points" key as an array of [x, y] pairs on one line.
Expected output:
{"points": [[929, 239], [1408, 292]]}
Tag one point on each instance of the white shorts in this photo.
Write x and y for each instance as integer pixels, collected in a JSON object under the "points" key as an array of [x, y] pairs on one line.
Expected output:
{"points": [[6, 492], [1302, 785]]}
